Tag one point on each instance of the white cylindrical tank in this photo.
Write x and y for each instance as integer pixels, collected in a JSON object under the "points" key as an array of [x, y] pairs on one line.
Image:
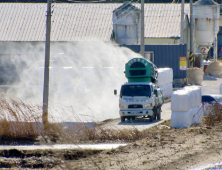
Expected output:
{"points": [[206, 17]]}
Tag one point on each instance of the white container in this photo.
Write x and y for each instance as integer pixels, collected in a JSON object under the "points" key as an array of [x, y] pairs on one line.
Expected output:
{"points": [[196, 95], [187, 119], [167, 90], [180, 101], [181, 119], [197, 114], [165, 76]]}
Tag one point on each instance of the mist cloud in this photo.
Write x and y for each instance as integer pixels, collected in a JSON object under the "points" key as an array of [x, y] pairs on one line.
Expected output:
{"points": [[83, 76]]}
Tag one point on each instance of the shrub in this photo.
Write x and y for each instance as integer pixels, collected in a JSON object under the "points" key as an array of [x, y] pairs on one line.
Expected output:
{"points": [[214, 117]]}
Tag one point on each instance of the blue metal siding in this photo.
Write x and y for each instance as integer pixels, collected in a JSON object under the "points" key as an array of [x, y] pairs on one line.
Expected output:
{"points": [[166, 56], [219, 37]]}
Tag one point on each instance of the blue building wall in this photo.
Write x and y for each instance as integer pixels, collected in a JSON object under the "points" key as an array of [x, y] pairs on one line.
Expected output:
{"points": [[219, 43]]}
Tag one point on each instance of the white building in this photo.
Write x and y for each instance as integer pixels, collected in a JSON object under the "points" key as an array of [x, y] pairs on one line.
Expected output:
{"points": [[24, 24]]}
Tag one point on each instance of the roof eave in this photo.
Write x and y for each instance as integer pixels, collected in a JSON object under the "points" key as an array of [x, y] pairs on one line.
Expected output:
{"points": [[176, 37]]}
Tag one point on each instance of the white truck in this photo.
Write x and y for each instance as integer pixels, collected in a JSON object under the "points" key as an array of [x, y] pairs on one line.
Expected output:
{"points": [[140, 97]]}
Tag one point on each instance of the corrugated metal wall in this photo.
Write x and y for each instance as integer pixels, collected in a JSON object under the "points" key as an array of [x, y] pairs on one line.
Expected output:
{"points": [[166, 56]]}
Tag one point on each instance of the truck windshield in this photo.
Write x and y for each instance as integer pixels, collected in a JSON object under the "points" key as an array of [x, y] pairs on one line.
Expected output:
{"points": [[135, 90]]}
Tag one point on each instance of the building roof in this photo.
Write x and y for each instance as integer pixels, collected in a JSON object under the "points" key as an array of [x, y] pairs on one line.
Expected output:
{"points": [[163, 20], [126, 7], [81, 22], [205, 2]]}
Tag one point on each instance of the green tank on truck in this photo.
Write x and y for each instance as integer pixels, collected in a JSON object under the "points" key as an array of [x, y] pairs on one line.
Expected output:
{"points": [[140, 70], [140, 97]]}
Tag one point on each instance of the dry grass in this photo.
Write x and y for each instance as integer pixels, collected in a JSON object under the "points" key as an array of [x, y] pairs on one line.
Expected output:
{"points": [[214, 117], [17, 117], [22, 121], [117, 134]]}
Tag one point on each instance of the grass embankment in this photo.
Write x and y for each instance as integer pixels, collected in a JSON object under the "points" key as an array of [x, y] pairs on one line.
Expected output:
{"points": [[21, 123]]}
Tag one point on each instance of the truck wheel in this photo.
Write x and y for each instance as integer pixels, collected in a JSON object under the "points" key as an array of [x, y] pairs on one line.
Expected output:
{"points": [[122, 119], [159, 114], [154, 113], [152, 117], [133, 117]]}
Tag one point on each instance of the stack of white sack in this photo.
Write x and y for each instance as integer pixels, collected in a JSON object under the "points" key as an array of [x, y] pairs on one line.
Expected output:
{"points": [[165, 81], [186, 119], [186, 107]]}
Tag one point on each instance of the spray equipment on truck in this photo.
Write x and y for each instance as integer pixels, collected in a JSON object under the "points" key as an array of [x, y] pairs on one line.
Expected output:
{"points": [[141, 70]]}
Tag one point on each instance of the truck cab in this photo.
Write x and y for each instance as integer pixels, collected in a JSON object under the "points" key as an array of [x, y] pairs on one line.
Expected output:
{"points": [[139, 100]]}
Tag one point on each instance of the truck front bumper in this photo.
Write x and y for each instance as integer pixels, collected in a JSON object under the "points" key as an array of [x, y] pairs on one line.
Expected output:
{"points": [[137, 113]]}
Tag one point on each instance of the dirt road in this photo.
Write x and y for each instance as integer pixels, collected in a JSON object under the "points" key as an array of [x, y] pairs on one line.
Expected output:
{"points": [[140, 123], [163, 148]]}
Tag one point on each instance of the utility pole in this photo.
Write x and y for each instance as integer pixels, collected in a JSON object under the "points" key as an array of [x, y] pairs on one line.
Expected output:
{"points": [[182, 23], [191, 34], [142, 49], [46, 73], [215, 36]]}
